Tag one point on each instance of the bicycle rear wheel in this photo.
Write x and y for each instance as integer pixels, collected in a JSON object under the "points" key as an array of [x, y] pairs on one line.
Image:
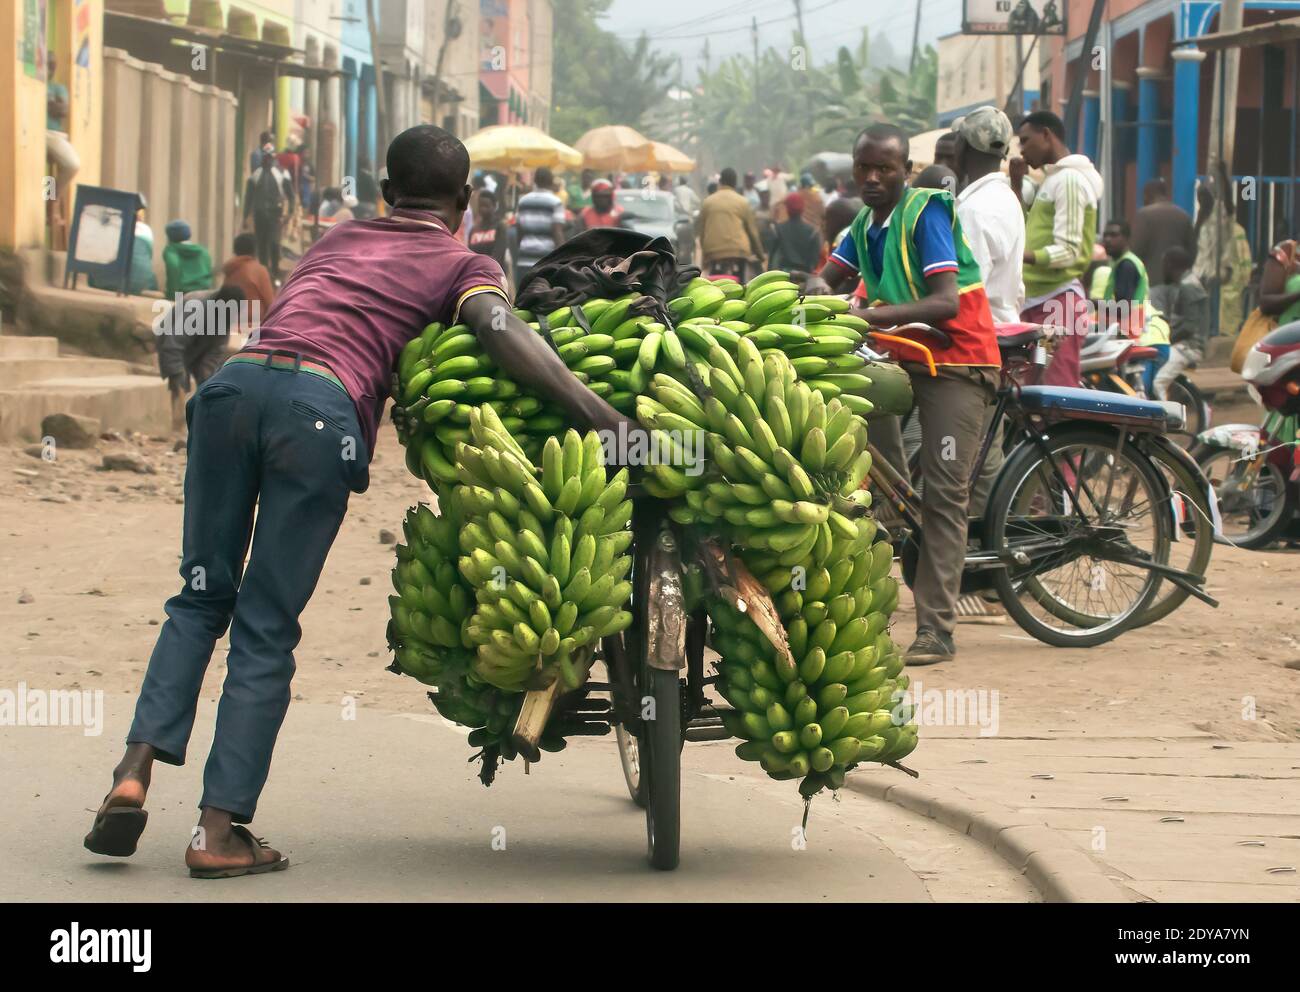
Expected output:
{"points": [[1085, 518], [1191, 524]]}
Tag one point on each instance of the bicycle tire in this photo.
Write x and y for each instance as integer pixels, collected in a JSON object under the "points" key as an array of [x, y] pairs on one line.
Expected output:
{"points": [[1183, 390], [629, 756], [664, 785], [1019, 468], [1169, 596], [1272, 529]]}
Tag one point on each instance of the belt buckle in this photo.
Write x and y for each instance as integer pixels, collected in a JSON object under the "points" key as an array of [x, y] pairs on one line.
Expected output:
{"points": [[297, 357]]}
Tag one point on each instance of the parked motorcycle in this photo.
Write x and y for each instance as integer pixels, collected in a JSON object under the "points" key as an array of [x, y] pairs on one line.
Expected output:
{"points": [[1256, 469], [1116, 363]]}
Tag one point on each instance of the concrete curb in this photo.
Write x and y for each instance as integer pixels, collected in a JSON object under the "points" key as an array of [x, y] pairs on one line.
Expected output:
{"points": [[1053, 864]]}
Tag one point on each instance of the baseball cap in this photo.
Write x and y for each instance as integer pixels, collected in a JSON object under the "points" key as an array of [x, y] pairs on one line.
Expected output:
{"points": [[601, 186], [986, 130]]}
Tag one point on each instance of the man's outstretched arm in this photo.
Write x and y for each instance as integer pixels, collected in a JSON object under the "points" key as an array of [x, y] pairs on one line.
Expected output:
{"points": [[941, 304], [525, 357], [834, 278]]}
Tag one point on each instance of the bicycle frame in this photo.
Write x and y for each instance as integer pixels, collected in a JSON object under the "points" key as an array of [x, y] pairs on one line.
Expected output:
{"points": [[905, 501]]}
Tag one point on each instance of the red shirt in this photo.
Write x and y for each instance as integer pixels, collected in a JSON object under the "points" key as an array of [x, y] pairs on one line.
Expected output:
{"points": [[364, 290], [593, 218]]}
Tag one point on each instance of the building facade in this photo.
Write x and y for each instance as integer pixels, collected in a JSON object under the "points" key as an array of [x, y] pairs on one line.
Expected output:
{"points": [[979, 70], [515, 73], [1147, 105], [171, 97], [451, 94]]}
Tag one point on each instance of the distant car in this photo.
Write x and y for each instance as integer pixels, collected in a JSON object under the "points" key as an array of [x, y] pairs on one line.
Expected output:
{"points": [[657, 213]]}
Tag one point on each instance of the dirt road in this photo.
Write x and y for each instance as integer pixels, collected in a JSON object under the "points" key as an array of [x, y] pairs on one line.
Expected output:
{"points": [[96, 554]]}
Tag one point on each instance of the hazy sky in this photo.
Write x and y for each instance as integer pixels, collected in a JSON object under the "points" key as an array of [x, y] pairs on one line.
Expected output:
{"points": [[680, 26]]}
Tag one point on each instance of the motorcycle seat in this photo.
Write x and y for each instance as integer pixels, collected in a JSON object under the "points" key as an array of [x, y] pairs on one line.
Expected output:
{"points": [[1017, 335]]}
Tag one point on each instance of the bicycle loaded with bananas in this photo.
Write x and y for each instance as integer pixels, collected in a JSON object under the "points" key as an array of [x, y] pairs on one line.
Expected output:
{"points": [[746, 526]]}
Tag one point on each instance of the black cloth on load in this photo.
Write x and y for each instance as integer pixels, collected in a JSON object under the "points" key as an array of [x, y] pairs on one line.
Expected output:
{"points": [[604, 263]]}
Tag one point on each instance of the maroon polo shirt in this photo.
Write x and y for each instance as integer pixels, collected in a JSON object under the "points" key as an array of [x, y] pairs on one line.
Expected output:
{"points": [[364, 290]]}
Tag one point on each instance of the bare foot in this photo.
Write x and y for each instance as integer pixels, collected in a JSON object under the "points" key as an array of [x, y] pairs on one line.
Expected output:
{"points": [[121, 818], [131, 777]]}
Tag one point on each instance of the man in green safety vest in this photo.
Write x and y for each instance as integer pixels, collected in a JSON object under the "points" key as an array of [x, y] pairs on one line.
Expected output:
{"points": [[1128, 290], [908, 246], [1127, 300]]}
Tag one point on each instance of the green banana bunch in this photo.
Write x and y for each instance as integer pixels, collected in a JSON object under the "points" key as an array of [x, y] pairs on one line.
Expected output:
{"points": [[543, 551], [702, 298], [527, 569], [791, 464], [431, 603], [833, 702]]}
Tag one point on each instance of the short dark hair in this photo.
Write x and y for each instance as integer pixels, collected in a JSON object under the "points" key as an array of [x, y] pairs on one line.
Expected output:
{"points": [[245, 244], [937, 177], [543, 178], [884, 133], [427, 163], [1155, 189], [486, 194], [727, 177], [1123, 226], [1178, 258], [1044, 120]]}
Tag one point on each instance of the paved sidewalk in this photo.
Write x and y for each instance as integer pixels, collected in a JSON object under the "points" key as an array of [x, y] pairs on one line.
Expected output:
{"points": [[1177, 817]]}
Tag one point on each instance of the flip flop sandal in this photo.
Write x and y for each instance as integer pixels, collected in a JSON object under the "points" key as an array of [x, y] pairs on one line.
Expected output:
{"points": [[257, 844], [116, 830]]}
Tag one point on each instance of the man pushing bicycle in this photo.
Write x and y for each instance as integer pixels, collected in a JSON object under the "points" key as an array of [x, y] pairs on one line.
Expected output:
{"points": [[907, 245]]}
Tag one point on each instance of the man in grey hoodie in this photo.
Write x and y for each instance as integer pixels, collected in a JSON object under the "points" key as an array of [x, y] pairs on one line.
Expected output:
{"points": [[1060, 231]]}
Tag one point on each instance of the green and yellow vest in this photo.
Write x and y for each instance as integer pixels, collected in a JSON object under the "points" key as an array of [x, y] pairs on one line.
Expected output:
{"points": [[974, 341]]}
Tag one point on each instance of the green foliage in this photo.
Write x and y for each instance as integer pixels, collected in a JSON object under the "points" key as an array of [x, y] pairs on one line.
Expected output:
{"points": [[598, 79], [782, 114]]}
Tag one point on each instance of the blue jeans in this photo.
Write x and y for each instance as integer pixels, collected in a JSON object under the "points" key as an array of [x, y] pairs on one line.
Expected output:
{"points": [[1152, 367], [288, 443]]}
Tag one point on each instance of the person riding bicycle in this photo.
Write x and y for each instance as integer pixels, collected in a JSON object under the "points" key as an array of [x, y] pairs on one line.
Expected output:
{"points": [[908, 246]]}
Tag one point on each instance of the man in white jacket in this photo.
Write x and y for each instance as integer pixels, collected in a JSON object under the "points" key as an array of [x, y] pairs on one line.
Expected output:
{"points": [[989, 211], [994, 223], [1060, 231]]}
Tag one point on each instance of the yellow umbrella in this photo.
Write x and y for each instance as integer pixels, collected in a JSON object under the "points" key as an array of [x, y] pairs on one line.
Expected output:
{"points": [[615, 148], [514, 146], [666, 158]]}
